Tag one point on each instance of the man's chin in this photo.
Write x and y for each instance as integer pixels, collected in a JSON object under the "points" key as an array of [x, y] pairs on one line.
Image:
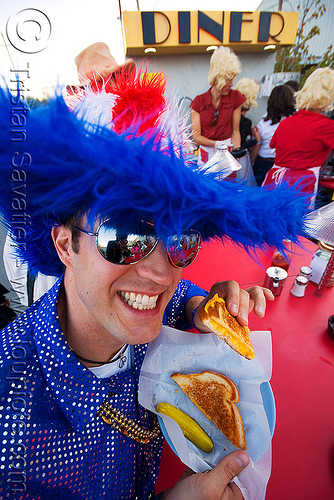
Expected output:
{"points": [[144, 337]]}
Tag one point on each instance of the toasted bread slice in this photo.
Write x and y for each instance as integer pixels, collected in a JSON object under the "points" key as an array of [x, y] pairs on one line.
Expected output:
{"points": [[216, 396], [215, 316]]}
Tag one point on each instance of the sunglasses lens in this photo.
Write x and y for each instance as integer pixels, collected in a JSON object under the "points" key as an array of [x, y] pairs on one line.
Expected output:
{"points": [[183, 250], [123, 248]]}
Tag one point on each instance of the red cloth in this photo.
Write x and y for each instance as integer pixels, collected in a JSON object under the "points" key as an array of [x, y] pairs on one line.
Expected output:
{"points": [[303, 140], [228, 103], [307, 179]]}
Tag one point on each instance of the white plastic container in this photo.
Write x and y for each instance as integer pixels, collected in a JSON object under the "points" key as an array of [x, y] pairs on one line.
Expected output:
{"points": [[319, 262], [299, 286]]}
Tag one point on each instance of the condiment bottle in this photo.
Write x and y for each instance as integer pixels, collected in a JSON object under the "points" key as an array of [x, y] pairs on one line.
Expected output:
{"points": [[275, 279], [298, 289], [280, 260], [319, 262]]}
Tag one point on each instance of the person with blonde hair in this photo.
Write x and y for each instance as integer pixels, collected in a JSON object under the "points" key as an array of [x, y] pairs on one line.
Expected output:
{"points": [[318, 91], [216, 113], [224, 66], [250, 89], [249, 136], [304, 140]]}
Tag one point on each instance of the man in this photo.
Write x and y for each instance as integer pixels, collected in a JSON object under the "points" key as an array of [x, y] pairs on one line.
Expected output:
{"points": [[71, 423]]}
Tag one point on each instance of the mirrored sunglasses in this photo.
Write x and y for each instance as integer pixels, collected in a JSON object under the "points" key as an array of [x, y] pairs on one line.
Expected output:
{"points": [[126, 249]]}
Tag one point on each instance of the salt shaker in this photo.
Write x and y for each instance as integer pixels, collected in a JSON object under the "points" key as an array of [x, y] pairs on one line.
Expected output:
{"points": [[305, 271], [298, 289]]}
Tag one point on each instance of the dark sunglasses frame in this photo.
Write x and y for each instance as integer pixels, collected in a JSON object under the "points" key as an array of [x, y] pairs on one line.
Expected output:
{"points": [[215, 118], [173, 245]]}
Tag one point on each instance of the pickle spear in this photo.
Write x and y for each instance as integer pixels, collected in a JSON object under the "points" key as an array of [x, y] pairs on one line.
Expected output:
{"points": [[188, 425]]}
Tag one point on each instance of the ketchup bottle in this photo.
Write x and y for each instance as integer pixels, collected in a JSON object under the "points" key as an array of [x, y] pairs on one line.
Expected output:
{"points": [[279, 260]]}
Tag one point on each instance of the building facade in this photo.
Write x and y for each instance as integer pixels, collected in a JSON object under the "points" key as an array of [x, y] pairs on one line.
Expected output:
{"points": [[177, 43], [319, 43]]}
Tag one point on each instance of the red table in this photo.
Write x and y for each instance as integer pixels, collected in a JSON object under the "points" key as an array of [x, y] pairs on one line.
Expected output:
{"points": [[302, 380]]}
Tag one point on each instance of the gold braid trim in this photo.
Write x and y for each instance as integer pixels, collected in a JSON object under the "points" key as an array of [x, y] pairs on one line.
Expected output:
{"points": [[126, 425]]}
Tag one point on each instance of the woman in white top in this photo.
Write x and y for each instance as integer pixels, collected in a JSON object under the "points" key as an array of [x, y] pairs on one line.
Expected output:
{"points": [[280, 104]]}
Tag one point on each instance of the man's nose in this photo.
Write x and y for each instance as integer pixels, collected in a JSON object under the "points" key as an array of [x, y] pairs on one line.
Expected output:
{"points": [[157, 266]]}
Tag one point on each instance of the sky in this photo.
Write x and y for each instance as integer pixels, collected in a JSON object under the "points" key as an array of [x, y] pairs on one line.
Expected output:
{"points": [[40, 38]]}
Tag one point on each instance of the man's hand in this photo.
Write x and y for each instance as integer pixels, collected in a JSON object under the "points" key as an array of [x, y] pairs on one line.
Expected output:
{"points": [[238, 301], [96, 63], [213, 485]]}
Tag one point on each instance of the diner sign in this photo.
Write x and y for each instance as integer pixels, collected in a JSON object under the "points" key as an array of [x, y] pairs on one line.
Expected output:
{"points": [[193, 31]]}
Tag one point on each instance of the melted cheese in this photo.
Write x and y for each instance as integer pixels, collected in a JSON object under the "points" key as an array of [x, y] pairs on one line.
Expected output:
{"points": [[224, 325]]}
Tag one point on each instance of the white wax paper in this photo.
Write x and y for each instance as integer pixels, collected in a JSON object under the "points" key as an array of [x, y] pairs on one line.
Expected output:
{"points": [[176, 351]]}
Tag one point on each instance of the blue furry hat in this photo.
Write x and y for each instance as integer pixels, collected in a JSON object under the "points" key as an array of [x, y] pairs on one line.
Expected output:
{"points": [[53, 167]]}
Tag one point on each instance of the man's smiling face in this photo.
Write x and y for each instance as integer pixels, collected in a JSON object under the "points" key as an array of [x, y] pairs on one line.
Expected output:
{"points": [[123, 302]]}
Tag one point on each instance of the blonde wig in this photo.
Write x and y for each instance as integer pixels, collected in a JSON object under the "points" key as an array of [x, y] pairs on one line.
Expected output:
{"points": [[250, 89], [224, 66], [318, 90]]}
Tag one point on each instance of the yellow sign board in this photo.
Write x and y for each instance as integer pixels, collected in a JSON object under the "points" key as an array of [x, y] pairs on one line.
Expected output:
{"points": [[193, 31]]}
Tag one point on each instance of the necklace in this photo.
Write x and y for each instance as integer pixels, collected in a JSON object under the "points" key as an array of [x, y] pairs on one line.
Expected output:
{"points": [[121, 358], [126, 425]]}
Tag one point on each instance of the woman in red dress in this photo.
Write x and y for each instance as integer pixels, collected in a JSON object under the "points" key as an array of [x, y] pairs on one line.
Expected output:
{"points": [[216, 113], [304, 140]]}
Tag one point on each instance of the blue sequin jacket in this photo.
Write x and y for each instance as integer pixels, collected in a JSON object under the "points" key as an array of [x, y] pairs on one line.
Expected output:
{"points": [[53, 443]]}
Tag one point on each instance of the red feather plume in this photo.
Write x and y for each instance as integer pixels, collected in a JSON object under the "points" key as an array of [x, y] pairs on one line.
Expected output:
{"points": [[140, 97]]}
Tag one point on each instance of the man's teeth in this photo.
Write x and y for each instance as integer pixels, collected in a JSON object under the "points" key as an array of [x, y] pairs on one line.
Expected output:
{"points": [[139, 301]]}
